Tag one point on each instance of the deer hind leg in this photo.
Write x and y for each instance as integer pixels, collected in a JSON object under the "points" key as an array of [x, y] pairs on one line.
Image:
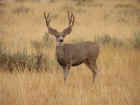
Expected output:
{"points": [[93, 67], [66, 71]]}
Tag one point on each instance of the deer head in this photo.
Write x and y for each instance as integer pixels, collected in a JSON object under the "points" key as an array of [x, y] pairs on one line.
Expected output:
{"points": [[60, 35]]}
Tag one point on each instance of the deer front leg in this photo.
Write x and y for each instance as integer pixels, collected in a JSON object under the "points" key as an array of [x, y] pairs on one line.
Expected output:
{"points": [[66, 71]]}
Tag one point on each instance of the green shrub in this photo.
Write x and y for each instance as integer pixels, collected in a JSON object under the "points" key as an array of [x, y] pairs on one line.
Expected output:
{"points": [[103, 39], [21, 9], [136, 41], [108, 40], [47, 41], [41, 51], [37, 59], [80, 2]]}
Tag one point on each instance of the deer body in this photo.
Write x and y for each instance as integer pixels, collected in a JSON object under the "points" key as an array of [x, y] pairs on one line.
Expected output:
{"points": [[75, 54], [69, 55]]}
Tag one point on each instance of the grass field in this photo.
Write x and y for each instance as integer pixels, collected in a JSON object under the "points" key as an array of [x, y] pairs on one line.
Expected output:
{"points": [[116, 84]]}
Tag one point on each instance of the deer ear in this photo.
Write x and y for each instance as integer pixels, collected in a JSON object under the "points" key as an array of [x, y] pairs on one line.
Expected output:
{"points": [[67, 31], [52, 31]]}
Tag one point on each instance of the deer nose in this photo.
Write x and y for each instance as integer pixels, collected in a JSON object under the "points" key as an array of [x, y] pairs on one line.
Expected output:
{"points": [[61, 40]]}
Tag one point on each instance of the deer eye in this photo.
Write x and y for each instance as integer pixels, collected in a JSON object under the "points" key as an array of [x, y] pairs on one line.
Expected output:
{"points": [[63, 36], [57, 36]]}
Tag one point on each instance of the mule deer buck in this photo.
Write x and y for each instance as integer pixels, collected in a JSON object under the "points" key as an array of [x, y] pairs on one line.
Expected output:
{"points": [[69, 55]]}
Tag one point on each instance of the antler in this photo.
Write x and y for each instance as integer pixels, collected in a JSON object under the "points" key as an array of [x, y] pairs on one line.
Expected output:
{"points": [[71, 19], [50, 29]]}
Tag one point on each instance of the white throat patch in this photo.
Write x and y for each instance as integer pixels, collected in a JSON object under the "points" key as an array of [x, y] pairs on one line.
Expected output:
{"points": [[59, 43]]}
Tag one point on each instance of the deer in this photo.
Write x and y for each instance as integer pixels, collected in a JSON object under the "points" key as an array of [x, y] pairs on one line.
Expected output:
{"points": [[70, 55]]}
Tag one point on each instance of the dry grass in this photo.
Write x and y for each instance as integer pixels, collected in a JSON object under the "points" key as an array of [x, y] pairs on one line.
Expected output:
{"points": [[116, 84]]}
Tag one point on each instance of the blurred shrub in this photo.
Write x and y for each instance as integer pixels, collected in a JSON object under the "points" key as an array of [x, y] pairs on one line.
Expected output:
{"points": [[47, 41], [108, 40], [41, 51], [21, 9], [37, 60], [80, 2], [136, 41], [124, 5]]}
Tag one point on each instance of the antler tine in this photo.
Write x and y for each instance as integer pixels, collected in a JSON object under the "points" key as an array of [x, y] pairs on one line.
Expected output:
{"points": [[73, 19], [47, 18], [70, 18]]}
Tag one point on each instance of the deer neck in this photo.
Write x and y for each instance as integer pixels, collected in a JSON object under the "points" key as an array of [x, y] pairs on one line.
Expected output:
{"points": [[60, 53]]}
